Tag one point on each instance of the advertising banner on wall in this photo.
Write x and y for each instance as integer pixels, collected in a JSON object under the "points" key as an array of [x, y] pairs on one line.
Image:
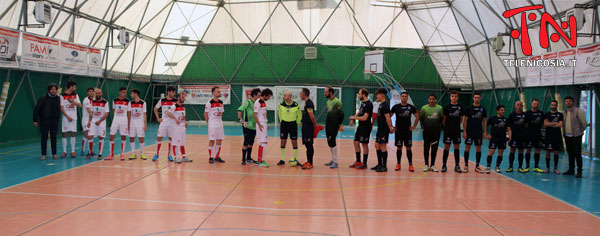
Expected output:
{"points": [[564, 74], [201, 94], [40, 53], [533, 74], [548, 72], [73, 59], [9, 43], [95, 62], [271, 104], [587, 68]]}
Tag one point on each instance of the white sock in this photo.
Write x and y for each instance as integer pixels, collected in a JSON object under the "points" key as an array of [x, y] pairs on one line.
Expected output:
{"points": [[141, 148], [132, 144], [64, 144], [334, 153], [101, 144], [72, 144], [123, 143], [212, 152]]}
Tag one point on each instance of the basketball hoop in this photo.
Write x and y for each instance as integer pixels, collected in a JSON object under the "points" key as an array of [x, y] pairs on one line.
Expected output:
{"points": [[368, 74]]}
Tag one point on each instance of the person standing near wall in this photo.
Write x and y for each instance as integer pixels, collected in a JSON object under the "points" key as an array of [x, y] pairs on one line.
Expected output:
{"points": [[574, 125], [46, 116], [431, 120]]}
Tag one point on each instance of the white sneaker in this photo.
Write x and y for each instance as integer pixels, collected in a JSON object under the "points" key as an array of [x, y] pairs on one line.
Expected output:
{"points": [[432, 168], [488, 170], [426, 168], [498, 170]]}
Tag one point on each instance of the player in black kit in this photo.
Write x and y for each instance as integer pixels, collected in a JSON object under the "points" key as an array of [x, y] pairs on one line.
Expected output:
{"points": [[516, 122], [384, 128], [553, 121], [363, 131], [403, 129], [453, 114], [534, 120], [497, 139], [474, 132]]}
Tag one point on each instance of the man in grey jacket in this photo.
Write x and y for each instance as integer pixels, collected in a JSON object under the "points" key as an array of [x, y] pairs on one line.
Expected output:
{"points": [[46, 115], [574, 125]]}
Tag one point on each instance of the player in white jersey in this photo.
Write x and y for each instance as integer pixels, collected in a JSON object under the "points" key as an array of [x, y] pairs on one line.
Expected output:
{"points": [[137, 123], [165, 122], [260, 116], [97, 122], [85, 115], [120, 122], [69, 101], [177, 113], [213, 113]]}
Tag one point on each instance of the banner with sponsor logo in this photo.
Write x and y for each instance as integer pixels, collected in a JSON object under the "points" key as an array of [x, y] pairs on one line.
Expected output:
{"points": [[9, 43], [533, 74], [548, 72], [40, 53], [564, 74], [201, 94], [587, 68], [95, 62], [271, 104], [73, 59]]}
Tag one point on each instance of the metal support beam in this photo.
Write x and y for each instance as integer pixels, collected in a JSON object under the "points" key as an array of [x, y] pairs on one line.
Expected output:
{"points": [[489, 51], [386, 28], [10, 6], [14, 96], [326, 21]]}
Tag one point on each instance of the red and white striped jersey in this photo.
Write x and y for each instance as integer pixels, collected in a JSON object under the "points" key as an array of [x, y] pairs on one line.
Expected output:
{"points": [[138, 111], [121, 107], [70, 108], [215, 110], [164, 104], [99, 107], [179, 112]]}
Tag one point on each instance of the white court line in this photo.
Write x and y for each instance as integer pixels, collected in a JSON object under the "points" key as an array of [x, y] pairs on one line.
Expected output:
{"points": [[291, 209]]}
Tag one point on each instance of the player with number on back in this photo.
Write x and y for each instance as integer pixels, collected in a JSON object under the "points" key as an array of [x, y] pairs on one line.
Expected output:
{"points": [[246, 117], [69, 101], [177, 113], [213, 113], [137, 124]]}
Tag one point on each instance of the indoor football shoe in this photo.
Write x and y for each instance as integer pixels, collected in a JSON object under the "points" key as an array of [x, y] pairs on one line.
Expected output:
{"points": [[155, 157], [280, 163], [132, 157], [510, 169], [411, 168], [398, 167], [219, 160], [109, 158]]}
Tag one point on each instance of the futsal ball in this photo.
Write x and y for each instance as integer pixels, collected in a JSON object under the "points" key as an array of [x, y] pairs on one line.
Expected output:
{"points": [[293, 162]]}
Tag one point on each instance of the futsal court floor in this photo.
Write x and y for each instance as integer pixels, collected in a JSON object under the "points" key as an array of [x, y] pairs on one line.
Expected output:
{"points": [[90, 197]]}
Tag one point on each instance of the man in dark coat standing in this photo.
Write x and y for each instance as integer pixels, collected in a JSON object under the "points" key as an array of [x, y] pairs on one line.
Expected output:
{"points": [[46, 116]]}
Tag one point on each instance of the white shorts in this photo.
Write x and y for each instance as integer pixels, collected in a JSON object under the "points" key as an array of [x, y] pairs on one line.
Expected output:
{"points": [[121, 127], [97, 130], [261, 136], [178, 135], [216, 133], [84, 122], [164, 129], [69, 126], [136, 131]]}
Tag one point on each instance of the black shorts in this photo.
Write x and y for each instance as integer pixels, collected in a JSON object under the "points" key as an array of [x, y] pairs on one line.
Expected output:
{"points": [[331, 132], [382, 137], [552, 143], [452, 137], [518, 143], [497, 143], [290, 128], [308, 132], [431, 135], [403, 139], [474, 139], [363, 134], [534, 141], [249, 135]]}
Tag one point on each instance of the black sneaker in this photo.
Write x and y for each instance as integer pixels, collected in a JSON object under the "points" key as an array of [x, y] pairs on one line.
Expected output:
{"points": [[361, 167], [569, 172], [381, 169], [444, 169], [281, 162], [375, 167], [218, 159], [250, 161], [244, 163], [457, 169], [211, 160], [578, 175]]}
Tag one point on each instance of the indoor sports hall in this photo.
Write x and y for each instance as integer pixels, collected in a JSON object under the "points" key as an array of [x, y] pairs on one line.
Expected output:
{"points": [[166, 117]]}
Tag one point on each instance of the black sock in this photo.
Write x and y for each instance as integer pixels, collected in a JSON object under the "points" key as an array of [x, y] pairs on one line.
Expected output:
{"points": [[365, 158], [536, 160], [520, 160], [310, 151], [548, 162], [555, 161], [445, 156], [499, 160], [466, 158], [489, 161], [249, 153], [457, 157], [409, 156], [527, 160], [511, 159], [426, 147], [379, 157], [434, 149], [357, 156], [244, 154], [398, 155], [384, 158], [477, 158]]}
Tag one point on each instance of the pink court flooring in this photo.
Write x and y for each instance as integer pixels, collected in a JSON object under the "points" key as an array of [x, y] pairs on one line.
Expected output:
{"points": [[162, 198]]}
